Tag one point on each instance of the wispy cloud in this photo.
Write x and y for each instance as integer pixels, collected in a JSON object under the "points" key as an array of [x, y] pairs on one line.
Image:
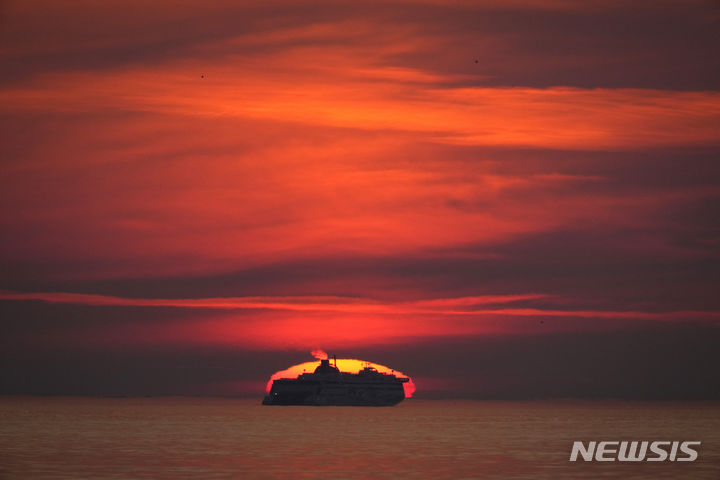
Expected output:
{"points": [[473, 306], [311, 303], [387, 99]]}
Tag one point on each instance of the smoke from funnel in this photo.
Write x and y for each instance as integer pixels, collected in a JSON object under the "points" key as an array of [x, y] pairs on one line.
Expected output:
{"points": [[319, 354]]}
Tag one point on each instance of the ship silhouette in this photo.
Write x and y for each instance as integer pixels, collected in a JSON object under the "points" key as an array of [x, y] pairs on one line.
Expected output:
{"points": [[327, 385]]}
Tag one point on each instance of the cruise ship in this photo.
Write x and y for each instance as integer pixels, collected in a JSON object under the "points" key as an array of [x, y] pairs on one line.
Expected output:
{"points": [[327, 385]]}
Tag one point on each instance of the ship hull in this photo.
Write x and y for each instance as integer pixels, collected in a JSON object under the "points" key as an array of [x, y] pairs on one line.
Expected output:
{"points": [[294, 392], [325, 402]]}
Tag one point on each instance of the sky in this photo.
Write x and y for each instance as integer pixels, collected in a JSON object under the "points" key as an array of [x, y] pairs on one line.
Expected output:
{"points": [[501, 199]]}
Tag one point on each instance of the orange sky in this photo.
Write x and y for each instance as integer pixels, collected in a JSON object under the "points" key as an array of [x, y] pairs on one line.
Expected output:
{"points": [[276, 176]]}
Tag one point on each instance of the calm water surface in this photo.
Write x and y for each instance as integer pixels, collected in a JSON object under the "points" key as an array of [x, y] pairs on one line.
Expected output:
{"points": [[207, 438]]}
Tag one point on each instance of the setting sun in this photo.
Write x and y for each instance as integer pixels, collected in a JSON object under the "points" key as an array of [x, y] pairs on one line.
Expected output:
{"points": [[346, 365]]}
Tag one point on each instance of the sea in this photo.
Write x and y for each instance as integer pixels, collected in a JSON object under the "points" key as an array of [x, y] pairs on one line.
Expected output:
{"points": [[226, 438]]}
